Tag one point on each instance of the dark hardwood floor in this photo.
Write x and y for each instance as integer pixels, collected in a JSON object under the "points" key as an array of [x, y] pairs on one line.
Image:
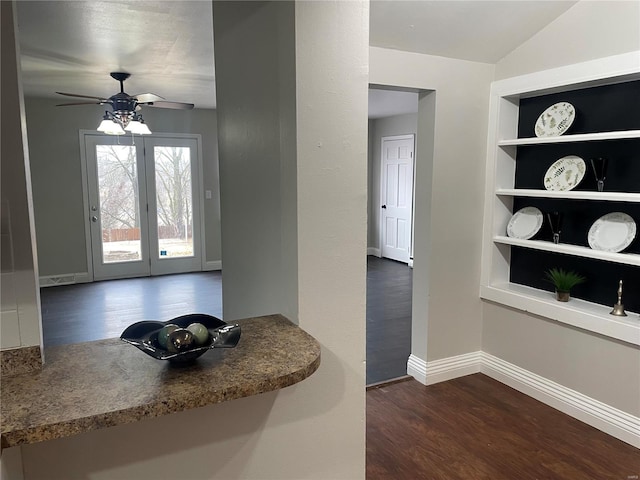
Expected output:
{"points": [[389, 287], [475, 428], [93, 311]]}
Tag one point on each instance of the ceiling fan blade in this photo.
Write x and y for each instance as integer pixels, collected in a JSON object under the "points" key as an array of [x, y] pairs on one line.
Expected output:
{"points": [[147, 97], [174, 105], [79, 103], [102, 99]]}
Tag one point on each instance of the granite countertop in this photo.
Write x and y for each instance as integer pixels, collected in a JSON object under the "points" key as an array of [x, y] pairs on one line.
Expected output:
{"points": [[93, 385]]}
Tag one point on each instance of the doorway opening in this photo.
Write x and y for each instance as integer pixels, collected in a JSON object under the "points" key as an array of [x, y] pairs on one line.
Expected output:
{"points": [[393, 119]]}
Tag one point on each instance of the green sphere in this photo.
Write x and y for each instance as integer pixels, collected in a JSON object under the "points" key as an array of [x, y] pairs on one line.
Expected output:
{"points": [[200, 333], [163, 335]]}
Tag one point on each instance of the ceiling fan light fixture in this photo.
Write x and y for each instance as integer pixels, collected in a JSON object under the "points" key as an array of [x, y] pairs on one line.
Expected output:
{"points": [[109, 126], [137, 126]]}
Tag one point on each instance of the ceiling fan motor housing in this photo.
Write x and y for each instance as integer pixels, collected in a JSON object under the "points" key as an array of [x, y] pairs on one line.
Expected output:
{"points": [[123, 104]]}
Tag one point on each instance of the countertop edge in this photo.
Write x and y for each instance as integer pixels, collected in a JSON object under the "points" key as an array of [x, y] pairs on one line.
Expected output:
{"points": [[158, 408]]}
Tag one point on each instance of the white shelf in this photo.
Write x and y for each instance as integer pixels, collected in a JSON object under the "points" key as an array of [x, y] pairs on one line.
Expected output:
{"points": [[502, 158], [572, 195], [578, 313], [584, 137], [575, 250]]}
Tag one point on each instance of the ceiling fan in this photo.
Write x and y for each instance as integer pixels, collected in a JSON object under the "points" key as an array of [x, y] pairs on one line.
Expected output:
{"points": [[125, 116]]}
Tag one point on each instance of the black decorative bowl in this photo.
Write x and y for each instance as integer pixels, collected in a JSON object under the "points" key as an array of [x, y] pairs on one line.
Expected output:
{"points": [[144, 335]]}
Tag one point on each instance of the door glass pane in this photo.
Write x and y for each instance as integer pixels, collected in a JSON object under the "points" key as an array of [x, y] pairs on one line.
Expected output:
{"points": [[174, 201], [119, 203]]}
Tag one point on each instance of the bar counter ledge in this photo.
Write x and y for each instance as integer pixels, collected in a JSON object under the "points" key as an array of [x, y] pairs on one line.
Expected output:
{"points": [[94, 385]]}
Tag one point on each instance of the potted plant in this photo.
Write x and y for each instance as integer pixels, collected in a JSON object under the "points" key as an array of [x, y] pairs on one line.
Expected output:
{"points": [[564, 281]]}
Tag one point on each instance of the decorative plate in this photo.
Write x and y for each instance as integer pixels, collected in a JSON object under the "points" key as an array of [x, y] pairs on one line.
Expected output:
{"points": [[144, 335], [555, 120], [565, 173], [612, 232], [525, 223]]}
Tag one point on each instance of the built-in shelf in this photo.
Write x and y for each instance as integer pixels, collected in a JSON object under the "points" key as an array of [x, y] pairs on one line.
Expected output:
{"points": [[575, 250], [583, 137], [510, 103], [572, 195], [576, 312]]}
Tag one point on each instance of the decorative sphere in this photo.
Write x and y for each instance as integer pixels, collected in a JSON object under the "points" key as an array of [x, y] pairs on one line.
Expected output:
{"points": [[163, 334], [200, 333], [180, 340]]}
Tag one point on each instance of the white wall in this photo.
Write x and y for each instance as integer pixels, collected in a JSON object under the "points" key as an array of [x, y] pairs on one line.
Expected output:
{"points": [[383, 127], [315, 429], [589, 30], [446, 304], [57, 180], [596, 366], [20, 299]]}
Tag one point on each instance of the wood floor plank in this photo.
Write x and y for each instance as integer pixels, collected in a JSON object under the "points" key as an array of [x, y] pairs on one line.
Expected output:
{"points": [[477, 428], [389, 290]]}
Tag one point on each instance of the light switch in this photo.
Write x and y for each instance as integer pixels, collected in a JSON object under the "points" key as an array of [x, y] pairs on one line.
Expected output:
{"points": [[207, 194]]}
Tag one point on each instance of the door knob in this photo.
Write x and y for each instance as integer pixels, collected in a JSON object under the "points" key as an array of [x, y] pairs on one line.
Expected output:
{"points": [[94, 219], [384, 206]]}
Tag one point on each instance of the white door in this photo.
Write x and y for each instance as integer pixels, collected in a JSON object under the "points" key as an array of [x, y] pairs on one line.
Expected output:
{"points": [[397, 196], [144, 213], [173, 197]]}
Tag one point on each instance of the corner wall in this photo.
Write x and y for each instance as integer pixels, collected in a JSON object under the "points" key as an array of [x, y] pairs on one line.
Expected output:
{"points": [[20, 298], [587, 31]]}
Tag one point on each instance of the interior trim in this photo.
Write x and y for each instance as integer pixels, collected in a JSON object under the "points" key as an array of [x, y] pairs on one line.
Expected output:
{"points": [[615, 422]]}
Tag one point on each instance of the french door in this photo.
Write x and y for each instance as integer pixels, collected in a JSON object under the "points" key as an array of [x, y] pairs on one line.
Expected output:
{"points": [[144, 215]]}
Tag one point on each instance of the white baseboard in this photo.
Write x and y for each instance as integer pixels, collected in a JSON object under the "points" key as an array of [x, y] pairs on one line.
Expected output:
{"points": [[374, 251], [453, 367], [606, 418], [212, 265], [64, 279], [417, 368], [445, 369]]}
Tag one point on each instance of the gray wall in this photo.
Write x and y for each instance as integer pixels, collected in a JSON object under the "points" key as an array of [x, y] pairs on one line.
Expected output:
{"points": [[587, 31], [255, 162], [378, 128], [597, 366], [20, 295], [57, 180]]}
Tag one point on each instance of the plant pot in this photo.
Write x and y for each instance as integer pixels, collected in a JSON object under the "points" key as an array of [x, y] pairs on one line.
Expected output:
{"points": [[562, 296]]}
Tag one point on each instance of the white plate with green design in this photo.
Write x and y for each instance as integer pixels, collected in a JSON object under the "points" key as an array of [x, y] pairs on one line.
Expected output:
{"points": [[555, 120], [565, 174]]}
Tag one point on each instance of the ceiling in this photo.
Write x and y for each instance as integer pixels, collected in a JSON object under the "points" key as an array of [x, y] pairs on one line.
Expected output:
{"points": [[71, 46]]}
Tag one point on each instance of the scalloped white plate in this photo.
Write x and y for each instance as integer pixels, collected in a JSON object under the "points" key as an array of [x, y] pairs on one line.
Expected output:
{"points": [[525, 223], [612, 232], [555, 120]]}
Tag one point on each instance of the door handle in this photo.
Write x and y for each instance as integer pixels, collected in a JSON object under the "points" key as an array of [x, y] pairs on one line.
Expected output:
{"points": [[94, 219], [384, 206]]}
